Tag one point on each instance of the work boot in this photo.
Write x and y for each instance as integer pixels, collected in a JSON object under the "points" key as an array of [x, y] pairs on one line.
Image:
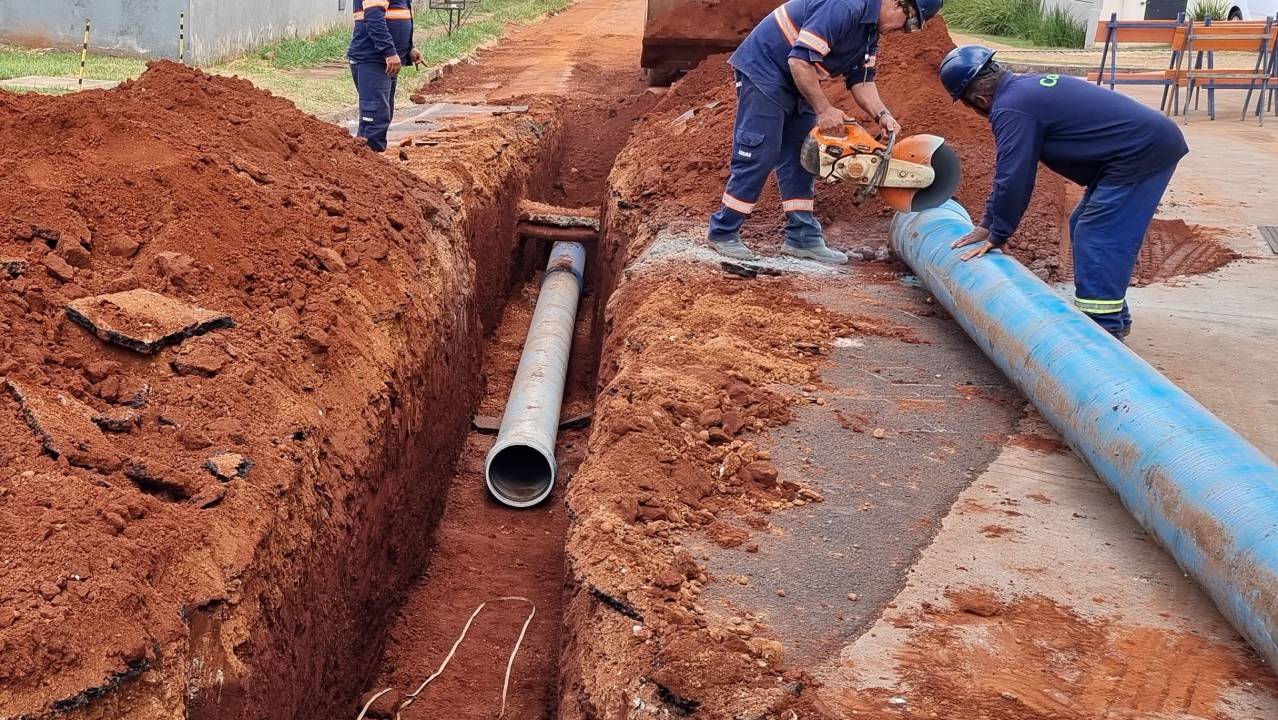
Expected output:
{"points": [[820, 253], [733, 248]]}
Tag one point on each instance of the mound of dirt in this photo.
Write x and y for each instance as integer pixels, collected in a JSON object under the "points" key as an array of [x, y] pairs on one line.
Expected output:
{"points": [[163, 513]]}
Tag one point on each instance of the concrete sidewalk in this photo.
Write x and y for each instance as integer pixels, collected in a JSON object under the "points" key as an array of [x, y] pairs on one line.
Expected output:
{"points": [[1040, 593], [1078, 61]]}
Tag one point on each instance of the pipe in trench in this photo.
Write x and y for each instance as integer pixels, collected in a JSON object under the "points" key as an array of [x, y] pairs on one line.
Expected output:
{"points": [[520, 469], [1206, 494]]}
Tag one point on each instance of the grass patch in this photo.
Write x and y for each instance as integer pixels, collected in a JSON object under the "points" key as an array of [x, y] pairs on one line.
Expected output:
{"points": [[309, 71], [1030, 20], [20, 62]]}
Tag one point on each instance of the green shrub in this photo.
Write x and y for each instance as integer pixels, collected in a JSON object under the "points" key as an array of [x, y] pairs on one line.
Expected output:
{"points": [[1210, 10], [1057, 28], [1027, 19]]}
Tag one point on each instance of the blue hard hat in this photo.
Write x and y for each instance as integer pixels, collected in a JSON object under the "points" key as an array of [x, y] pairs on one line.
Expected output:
{"points": [[961, 66], [927, 9]]}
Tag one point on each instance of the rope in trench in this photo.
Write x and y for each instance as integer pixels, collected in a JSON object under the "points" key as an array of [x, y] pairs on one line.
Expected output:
{"points": [[510, 663]]}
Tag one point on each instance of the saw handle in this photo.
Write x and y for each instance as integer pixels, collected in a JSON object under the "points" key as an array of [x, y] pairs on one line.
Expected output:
{"points": [[853, 132]]}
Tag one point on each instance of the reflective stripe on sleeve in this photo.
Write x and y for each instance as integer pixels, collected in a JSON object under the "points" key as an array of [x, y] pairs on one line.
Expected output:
{"points": [[399, 14], [741, 206], [814, 41], [383, 4], [787, 28], [1098, 307]]}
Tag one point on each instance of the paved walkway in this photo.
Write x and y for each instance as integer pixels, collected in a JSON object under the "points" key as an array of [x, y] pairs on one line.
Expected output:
{"points": [[1135, 58]]}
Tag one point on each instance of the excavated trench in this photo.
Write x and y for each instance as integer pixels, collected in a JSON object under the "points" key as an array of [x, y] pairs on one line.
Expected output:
{"points": [[485, 552]]}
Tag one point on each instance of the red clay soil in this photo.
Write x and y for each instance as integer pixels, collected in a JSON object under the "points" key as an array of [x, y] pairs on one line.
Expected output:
{"points": [[483, 551], [1174, 248], [689, 387], [141, 580], [973, 659]]}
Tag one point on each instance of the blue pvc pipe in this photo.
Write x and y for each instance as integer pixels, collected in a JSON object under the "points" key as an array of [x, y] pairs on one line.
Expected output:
{"points": [[1209, 496]]}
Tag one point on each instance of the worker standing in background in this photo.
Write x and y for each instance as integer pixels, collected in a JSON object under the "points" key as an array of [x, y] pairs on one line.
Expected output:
{"points": [[1123, 152], [382, 44], [779, 68]]}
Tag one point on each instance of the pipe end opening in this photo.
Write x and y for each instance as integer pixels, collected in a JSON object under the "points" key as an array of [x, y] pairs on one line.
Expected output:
{"points": [[520, 475]]}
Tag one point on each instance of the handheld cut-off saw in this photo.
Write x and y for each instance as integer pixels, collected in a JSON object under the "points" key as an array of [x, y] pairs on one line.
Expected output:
{"points": [[911, 174]]}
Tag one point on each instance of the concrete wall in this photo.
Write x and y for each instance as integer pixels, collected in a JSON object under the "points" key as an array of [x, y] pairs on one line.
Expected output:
{"points": [[141, 27], [1080, 9], [216, 29], [225, 28]]}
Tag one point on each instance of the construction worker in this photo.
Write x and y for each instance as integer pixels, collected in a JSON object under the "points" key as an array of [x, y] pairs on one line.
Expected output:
{"points": [[779, 69], [1123, 152], [381, 45]]}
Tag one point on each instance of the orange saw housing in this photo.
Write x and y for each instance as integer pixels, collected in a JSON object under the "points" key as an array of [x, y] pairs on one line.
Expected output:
{"points": [[912, 174]]}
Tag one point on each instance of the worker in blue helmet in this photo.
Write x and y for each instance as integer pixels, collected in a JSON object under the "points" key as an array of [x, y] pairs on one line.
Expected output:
{"points": [[779, 68], [1121, 151]]}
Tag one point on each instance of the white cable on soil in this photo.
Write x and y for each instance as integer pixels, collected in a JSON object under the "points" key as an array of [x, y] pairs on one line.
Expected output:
{"points": [[510, 663]]}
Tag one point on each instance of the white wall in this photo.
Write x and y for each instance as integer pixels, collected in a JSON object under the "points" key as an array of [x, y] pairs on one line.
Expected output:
{"points": [[225, 28], [215, 29]]}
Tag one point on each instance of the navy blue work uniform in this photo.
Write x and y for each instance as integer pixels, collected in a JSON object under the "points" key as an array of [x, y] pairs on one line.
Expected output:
{"points": [[840, 38], [1124, 154], [383, 29]]}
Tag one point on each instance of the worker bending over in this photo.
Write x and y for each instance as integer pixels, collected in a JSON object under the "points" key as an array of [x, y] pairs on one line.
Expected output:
{"points": [[1123, 152], [381, 45], [779, 69]]}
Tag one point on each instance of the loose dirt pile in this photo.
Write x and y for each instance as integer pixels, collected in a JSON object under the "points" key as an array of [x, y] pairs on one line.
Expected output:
{"points": [[1172, 248], [974, 659], [177, 516]]}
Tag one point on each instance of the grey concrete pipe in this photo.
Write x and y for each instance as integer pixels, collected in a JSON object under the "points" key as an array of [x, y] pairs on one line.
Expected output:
{"points": [[521, 467]]}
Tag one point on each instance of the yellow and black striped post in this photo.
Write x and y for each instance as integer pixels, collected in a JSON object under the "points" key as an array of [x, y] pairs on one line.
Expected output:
{"points": [[182, 38], [84, 53]]}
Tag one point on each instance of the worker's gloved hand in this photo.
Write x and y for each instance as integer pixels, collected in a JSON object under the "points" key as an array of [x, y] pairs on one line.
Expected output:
{"points": [[830, 121], [393, 64], [978, 235]]}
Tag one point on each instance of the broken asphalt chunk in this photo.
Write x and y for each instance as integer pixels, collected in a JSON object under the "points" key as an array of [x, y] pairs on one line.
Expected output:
{"points": [[205, 360], [228, 466], [209, 497], [144, 321], [12, 268], [161, 482], [118, 423], [65, 428]]}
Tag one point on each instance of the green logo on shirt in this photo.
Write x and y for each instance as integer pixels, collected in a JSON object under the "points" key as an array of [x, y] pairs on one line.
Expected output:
{"points": [[1049, 80]]}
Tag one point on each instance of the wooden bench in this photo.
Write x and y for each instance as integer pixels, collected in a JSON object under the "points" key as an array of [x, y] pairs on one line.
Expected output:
{"points": [[1115, 31], [1195, 43], [1256, 38]]}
